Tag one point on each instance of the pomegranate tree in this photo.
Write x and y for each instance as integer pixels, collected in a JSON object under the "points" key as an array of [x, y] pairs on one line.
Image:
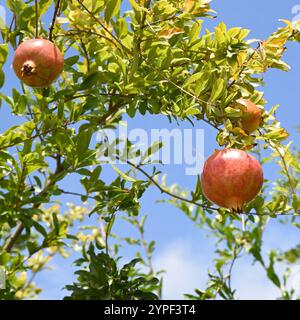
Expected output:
{"points": [[252, 116], [231, 178], [38, 62]]}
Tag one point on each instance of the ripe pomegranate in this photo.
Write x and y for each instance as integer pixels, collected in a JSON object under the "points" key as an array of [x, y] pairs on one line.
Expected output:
{"points": [[38, 62], [231, 178], [252, 116]]}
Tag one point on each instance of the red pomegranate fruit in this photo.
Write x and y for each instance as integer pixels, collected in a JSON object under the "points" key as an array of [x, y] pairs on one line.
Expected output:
{"points": [[252, 116], [38, 62], [231, 178]]}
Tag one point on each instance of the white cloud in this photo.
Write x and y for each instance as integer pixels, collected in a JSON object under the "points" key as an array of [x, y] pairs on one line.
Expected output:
{"points": [[187, 265], [186, 268], [251, 283]]}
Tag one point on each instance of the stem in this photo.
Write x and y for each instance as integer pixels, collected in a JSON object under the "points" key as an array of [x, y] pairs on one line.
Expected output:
{"points": [[86, 55], [243, 222], [107, 232], [8, 247], [57, 6], [165, 190], [144, 244], [142, 25], [10, 28], [244, 66], [36, 19], [287, 172], [199, 100], [35, 136], [79, 32], [236, 252]]}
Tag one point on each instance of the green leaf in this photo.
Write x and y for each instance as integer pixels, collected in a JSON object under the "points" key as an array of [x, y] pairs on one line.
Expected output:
{"points": [[123, 175], [4, 258], [39, 228], [233, 113], [83, 142], [193, 78], [295, 203], [89, 81], [3, 53], [195, 31], [71, 60], [135, 5], [112, 9], [218, 89]]}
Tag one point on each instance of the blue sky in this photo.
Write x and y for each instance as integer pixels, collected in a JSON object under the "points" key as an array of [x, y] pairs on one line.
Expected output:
{"points": [[181, 248]]}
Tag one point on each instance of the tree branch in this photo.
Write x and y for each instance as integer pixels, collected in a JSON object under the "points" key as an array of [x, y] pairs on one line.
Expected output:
{"points": [[58, 172], [88, 32], [13, 144], [165, 191]]}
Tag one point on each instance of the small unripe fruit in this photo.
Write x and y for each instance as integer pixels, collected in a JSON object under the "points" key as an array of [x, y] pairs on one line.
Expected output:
{"points": [[38, 62], [231, 178], [251, 118]]}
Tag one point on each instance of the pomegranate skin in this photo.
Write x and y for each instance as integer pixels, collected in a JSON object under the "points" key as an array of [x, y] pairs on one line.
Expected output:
{"points": [[231, 178], [252, 116], [38, 62]]}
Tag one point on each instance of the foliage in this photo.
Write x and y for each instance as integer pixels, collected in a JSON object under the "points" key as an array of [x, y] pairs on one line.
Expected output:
{"points": [[154, 58], [103, 281]]}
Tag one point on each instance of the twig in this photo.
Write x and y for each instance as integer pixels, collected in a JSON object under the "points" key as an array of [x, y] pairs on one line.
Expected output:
{"points": [[165, 191], [120, 95], [211, 124], [145, 246], [8, 247], [10, 28], [76, 194], [103, 26], [36, 19], [287, 172], [35, 136], [86, 55], [88, 32], [199, 100], [110, 113], [57, 6], [235, 257], [142, 25], [243, 222], [244, 65], [59, 170], [107, 231]]}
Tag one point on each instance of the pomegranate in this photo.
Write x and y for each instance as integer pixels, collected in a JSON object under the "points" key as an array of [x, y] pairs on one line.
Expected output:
{"points": [[231, 178], [252, 116], [38, 62]]}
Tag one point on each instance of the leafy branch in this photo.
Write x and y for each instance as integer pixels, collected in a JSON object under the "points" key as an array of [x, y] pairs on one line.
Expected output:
{"points": [[103, 26]]}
